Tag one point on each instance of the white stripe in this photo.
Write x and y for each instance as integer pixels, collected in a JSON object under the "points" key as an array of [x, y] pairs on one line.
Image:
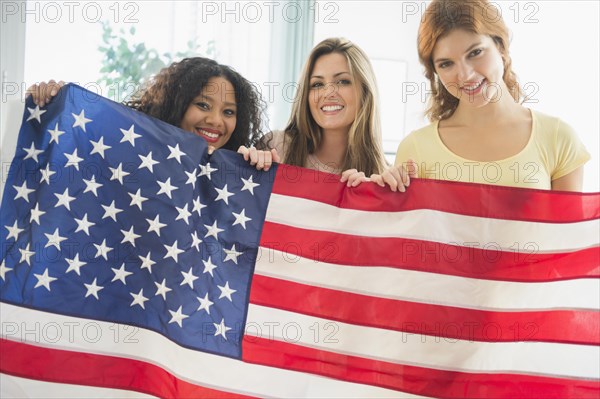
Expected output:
{"points": [[431, 288], [430, 225], [534, 358], [15, 387], [211, 371]]}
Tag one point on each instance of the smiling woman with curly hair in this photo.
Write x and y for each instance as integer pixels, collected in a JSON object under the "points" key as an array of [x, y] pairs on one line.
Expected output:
{"points": [[198, 95], [186, 93]]}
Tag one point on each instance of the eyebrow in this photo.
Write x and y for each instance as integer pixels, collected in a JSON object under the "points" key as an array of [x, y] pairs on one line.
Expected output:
{"points": [[210, 98], [335, 76], [471, 47]]}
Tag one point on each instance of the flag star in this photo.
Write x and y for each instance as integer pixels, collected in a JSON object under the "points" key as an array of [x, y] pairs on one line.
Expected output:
{"points": [[241, 219], [196, 241], [81, 120], [146, 262], [46, 173], [73, 159], [206, 170], [189, 278], [32, 152], [147, 162], [23, 191], [138, 299], [84, 225], [209, 266], [118, 173], [93, 289], [129, 135], [64, 199], [173, 251], [75, 264], [177, 317], [4, 270], [129, 236], [213, 230], [55, 134], [99, 147], [44, 279], [137, 199], [232, 254], [184, 214], [35, 214], [120, 274], [166, 188], [198, 206], [26, 254], [155, 225], [226, 291], [205, 303], [223, 194], [249, 185], [92, 185], [175, 153], [54, 239], [111, 211], [162, 289], [221, 328], [191, 178], [102, 250], [13, 231], [35, 113]]}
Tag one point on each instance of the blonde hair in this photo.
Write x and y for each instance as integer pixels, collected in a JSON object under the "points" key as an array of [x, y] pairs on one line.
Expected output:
{"points": [[364, 150], [476, 16]]}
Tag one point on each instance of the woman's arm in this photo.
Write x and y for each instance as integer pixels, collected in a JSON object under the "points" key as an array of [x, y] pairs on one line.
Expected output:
{"points": [[570, 182]]}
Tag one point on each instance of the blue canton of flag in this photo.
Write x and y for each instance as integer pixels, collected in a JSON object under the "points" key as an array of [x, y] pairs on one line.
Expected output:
{"points": [[112, 215]]}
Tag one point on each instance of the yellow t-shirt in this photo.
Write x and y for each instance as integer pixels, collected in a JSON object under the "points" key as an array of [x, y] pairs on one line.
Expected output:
{"points": [[553, 151]]}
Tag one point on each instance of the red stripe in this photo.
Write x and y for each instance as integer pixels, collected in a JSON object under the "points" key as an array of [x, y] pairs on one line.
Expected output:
{"points": [[431, 257], [67, 367], [411, 379], [435, 321], [482, 200]]}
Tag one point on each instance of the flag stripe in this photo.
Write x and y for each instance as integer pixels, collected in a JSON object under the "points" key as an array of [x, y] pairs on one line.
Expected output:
{"points": [[431, 382], [432, 257], [199, 368], [16, 387], [481, 200], [433, 288], [70, 367], [433, 320], [535, 358], [425, 224]]}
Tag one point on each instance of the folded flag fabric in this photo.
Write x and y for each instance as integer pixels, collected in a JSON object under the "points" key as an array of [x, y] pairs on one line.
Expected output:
{"points": [[135, 264]]}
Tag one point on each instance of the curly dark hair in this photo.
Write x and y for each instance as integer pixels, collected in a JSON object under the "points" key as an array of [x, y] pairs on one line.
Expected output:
{"points": [[169, 93]]}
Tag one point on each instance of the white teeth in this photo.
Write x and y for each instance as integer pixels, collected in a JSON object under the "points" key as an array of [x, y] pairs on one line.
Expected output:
{"points": [[329, 108], [471, 88], [207, 134]]}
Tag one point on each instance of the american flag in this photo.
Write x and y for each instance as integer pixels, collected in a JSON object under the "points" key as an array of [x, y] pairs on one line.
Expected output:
{"points": [[134, 264]]}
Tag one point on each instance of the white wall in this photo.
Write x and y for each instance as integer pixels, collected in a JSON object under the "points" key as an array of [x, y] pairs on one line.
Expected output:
{"points": [[12, 58]]}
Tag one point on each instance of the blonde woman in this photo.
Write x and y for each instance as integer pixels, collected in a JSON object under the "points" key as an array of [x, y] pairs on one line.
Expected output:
{"points": [[335, 122]]}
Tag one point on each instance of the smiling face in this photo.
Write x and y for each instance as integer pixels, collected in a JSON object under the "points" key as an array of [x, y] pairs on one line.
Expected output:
{"points": [[212, 114], [333, 98], [470, 67]]}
